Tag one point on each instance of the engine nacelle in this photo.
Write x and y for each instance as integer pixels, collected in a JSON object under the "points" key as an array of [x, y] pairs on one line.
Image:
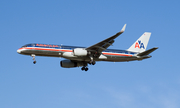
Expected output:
{"points": [[70, 64], [80, 52]]}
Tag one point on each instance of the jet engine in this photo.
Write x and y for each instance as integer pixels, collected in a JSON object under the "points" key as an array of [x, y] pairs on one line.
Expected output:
{"points": [[70, 64], [80, 52]]}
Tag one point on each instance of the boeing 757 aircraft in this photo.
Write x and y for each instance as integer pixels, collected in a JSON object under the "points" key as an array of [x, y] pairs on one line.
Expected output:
{"points": [[82, 56]]}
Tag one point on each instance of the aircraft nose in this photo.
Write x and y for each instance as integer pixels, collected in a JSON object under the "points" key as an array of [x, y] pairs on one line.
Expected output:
{"points": [[19, 51]]}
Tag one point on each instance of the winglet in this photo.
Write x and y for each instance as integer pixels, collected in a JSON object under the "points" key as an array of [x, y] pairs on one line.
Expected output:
{"points": [[123, 29]]}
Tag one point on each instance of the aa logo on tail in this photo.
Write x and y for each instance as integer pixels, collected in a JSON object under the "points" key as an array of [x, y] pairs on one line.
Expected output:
{"points": [[139, 45]]}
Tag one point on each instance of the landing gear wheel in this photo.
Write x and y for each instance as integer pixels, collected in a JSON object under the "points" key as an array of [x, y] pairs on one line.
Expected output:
{"points": [[34, 62], [83, 68], [86, 69], [93, 63]]}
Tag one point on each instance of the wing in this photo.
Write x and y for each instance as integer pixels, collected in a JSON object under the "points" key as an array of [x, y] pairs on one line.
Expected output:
{"points": [[103, 45]]}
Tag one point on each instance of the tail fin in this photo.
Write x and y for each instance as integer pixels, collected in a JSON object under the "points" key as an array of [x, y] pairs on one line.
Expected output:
{"points": [[141, 44]]}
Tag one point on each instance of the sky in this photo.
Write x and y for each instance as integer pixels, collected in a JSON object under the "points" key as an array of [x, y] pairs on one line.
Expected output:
{"points": [[151, 83]]}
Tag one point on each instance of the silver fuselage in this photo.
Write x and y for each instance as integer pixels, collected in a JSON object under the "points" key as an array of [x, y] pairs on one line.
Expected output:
{"points": [[110, 55]]}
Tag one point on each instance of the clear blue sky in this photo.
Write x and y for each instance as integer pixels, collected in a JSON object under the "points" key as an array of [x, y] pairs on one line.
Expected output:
{"points": [[151, 83]]}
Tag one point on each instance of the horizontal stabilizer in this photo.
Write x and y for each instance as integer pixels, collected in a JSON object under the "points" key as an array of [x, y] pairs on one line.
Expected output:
{"points": [[147, 52]]}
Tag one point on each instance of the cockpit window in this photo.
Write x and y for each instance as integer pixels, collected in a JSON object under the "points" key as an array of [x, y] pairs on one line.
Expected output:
{"points": [[27, 45]]}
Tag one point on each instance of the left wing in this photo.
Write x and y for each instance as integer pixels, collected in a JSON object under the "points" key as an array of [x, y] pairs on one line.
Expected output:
{"points": [[103, 45]]}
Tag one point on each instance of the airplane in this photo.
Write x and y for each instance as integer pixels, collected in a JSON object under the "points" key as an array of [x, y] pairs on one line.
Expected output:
{"points": [[82, 56]]}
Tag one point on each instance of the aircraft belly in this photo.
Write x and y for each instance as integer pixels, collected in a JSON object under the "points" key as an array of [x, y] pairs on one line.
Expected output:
{"points": [[108, 58], [120, 58]]}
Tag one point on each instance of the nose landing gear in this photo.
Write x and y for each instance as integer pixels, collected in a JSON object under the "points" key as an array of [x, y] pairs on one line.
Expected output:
{"points": [[33, 56]]}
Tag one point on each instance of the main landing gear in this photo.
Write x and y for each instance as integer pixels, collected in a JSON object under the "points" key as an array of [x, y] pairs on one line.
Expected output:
{"points": [[33, 56], [92, 62], [84, 68]]}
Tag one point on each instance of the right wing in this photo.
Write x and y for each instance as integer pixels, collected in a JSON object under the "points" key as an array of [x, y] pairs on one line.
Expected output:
{"points": [[103, 45]]}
